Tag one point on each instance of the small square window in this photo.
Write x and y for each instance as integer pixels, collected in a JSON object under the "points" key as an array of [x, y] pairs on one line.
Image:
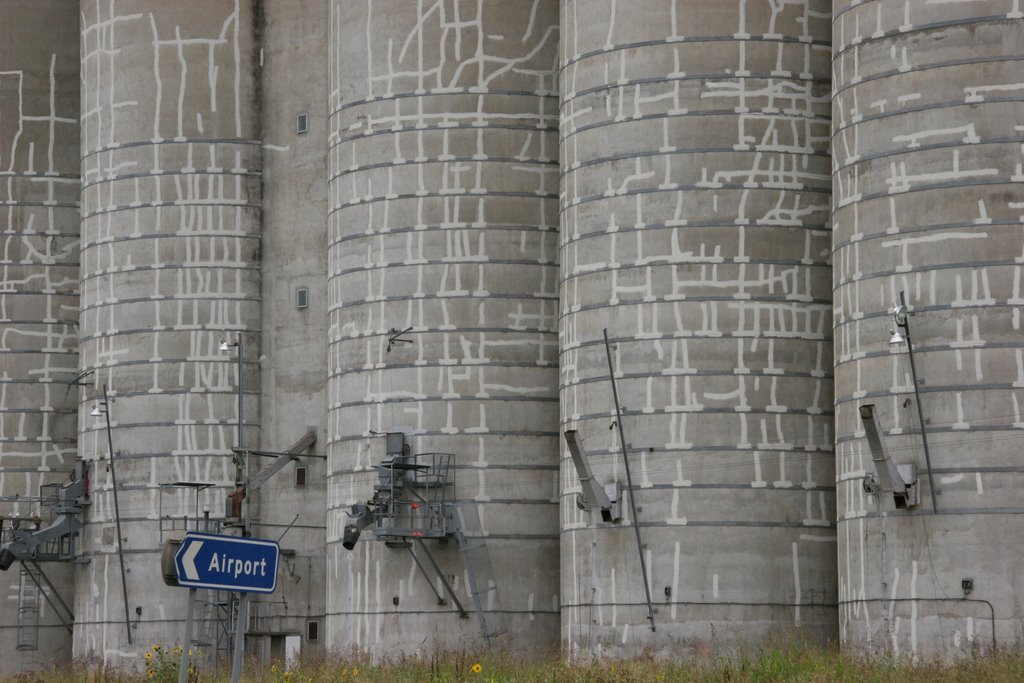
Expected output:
{"points": [[302, 297], [300, 476], [302, 124], [312, 630]]}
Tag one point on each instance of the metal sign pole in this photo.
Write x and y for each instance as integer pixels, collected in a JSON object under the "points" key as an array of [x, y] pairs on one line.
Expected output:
{"points": [[183, 664], [236, 664]]}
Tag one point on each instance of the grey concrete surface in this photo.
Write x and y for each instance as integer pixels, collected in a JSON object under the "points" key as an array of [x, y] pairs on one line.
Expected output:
{"points": [[39, 186], [171, 161], [709, 169], [695, 228], [928, 199], [443, 175], [294, 351]]}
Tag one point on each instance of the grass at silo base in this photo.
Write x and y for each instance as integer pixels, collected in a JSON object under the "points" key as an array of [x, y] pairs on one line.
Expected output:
{"points": [[808, 665]]}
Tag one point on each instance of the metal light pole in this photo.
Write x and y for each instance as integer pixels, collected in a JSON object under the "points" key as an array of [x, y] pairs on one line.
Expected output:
{"points": [[901, 318], [629, 482], [226, 346], [243, 599], [117, 508]]}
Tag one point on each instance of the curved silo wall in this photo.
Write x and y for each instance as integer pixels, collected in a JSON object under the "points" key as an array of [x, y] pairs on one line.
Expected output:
{"points": [[695, 228], [443, 218], [929, 201], [170, 264], [39, 189]]}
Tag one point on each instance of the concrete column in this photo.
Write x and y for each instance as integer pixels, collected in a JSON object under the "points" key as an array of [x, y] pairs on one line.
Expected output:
{"points": [[443, 216], [294, 83], [929, 200], [694, 227], [39, 186], [171, 161]]}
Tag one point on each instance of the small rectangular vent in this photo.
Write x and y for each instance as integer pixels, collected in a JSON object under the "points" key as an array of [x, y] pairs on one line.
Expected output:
{"points": [[302, 297], [302, 124]]}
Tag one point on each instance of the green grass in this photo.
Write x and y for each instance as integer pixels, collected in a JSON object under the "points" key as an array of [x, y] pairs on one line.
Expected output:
{"points": [[794, 664]]}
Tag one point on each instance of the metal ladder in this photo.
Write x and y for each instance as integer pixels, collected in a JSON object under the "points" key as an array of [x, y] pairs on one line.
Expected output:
{"points": [[479, 572], [212, 629], [28, 609]]}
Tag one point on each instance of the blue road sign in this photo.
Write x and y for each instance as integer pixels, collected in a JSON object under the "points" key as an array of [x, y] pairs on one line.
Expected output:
{"points": [[245, 565]]}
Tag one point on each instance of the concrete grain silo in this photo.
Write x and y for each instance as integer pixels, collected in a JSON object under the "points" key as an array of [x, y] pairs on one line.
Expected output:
{"points": [[695, 228], [928, 202], [39, 190], [171, 161], [443, 301]]}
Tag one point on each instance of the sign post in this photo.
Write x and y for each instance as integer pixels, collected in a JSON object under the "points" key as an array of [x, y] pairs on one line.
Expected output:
{"points": [[231, 563], [185, 650]]}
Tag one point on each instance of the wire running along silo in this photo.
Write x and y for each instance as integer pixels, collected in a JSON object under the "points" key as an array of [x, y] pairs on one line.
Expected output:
{"points": [[443, 218], [929, 201], [170, 264], [695, 228], [39, 188]]}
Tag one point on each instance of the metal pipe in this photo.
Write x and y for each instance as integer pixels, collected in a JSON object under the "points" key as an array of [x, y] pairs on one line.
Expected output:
{"points": [[246, 532], [117, 514], [837, 605], [917, 396], [241, 418], [991, 607], [629, 481], [243, 598]]}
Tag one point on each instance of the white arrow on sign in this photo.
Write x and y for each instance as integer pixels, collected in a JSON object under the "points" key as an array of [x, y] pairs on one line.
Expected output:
{"points": [[188, 561]]}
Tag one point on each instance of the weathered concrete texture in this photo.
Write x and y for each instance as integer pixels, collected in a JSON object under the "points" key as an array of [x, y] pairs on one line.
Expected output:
{"points": [[695, 202], [294, 80], [39, 188], [170, 246], [928, 198], [443, 178]]}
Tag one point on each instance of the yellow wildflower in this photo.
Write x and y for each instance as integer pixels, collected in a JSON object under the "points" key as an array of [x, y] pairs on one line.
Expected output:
{"points": [[149, 655], [150, 672], [476, 668], [355, 672], [156, 648]]}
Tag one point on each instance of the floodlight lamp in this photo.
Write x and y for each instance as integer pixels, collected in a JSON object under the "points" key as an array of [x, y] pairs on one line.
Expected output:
{"points": [[350, 536], [224, 345], [897, 337], [96, 411], [899, 314]]}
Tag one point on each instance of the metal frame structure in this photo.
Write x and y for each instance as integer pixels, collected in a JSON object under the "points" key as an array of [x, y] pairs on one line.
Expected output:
{"points": [[51, 535], [414, 500]]}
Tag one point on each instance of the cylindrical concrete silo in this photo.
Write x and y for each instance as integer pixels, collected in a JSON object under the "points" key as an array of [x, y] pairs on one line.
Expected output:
{"points": [[929, 201], [443, 216], [38, 298], [695, 228], [170, 264]]}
